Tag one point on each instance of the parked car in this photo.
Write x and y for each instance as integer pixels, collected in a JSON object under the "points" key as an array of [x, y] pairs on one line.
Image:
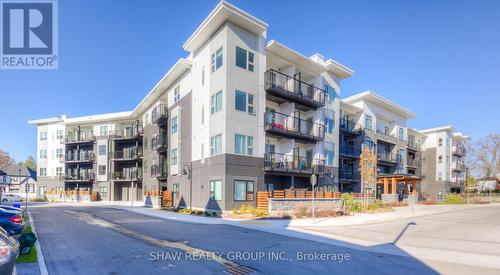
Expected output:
{"points": [[9, 250], [12, 221], [12, 198], [12, 208]]}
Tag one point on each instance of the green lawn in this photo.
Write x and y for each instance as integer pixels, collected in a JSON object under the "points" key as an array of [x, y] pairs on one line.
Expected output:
{"points": [[31, 257]]}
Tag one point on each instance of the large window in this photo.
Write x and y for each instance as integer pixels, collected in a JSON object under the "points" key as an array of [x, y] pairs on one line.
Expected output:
{"points": [[216, 190], [102, 150], [102, 170], [329, 152], [216, 102], [368, 122], [243, 190], [401, 133], [43, 135], [177, 93], [174, 157], [244, 102], [59, 152], [43, 154], [174, 125], [59, 171], [43, 172], [103, 192], [103, 130], [59, 134], [216, 61], [244, 59], [331, 93], [216, 145], [243, 145]]}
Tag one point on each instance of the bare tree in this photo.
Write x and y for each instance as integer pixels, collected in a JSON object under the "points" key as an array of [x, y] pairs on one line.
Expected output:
{"points": [[483, 156], [4, 158]]}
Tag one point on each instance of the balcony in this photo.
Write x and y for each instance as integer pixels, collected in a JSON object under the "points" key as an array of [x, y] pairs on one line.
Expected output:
{"points": [[79, 157], [387, 137], [284, 126], [160, 143], [282, 88], [350, 127], [413, 145], [129, 133], [160, 114], [459, 150], [160, 171], [83, 176], [413, 162], [128, 175], [127, 154], [79, 138], [350, 151], [286, 163], [458, 166], [387, 157], [346, 175]]}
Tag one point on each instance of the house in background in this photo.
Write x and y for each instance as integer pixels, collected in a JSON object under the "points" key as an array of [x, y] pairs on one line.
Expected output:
{"points": [[13, 179]]}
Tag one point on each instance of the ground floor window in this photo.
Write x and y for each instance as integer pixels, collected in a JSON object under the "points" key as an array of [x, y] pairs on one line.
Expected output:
{"points": [[42, 190], [243, 190], [216, 190], [103, 192]]}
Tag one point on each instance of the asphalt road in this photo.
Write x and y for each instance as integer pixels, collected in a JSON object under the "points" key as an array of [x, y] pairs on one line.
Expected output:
{"points": [[105, 240]]}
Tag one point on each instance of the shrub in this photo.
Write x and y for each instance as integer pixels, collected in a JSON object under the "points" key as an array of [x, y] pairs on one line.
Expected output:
{"points": [[350, 205], [199, 212], [453, 199], [38, 200]]}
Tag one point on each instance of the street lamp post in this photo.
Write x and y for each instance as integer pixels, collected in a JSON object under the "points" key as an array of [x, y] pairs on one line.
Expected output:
{"points": [[187, 170]]}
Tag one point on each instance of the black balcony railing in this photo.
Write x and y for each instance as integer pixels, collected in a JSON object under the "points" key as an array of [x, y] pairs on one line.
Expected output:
{"points": [[79, 137], [159, 171], [413, 162], [286, 88], [349, 126], [293, 127], [458, 165], [293, 164], [127, 154], [349, 150], [82, 156], [131, 132], [128, 175], [388, 157], [83, 175], [459, 150], [385, 136], [160, 143], [349, 175], [159, 114]]}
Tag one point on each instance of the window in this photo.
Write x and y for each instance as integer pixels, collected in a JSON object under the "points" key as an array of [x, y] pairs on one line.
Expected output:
{"points": [[202, 75], [102, 150], [102, 170], [216, 190], [243, 190], [43, 135], [329, 124], [243, 60], [58, 171], [216, 61], [43, 172], [174, 157], [216, 145], [104, 130], [216, 102], [386, 130], [174, 125], [401, 133], [244, 102], [440, 175], [330, 92], [243, 145], [59, 134], [202, 151], [440, 142], [146, 119], [59, 152], [202, 114], [103, 192], [440, 159], [177, 93], [329, 152], [43, 154], [368, 122]]}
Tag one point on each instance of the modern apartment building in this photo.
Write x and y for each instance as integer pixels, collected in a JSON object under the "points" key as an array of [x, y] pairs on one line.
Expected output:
{"points": [[443, 164], [240, 113]]}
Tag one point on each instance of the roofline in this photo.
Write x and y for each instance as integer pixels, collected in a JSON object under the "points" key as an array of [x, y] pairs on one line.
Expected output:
{"points": [[222, 4], [98, 118], [43, 121], [438, 129], [348, 72], [409, 114], [320, 67]]}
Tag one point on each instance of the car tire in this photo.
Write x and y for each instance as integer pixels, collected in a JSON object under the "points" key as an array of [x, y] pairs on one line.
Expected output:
{"points": [[5, 200]]}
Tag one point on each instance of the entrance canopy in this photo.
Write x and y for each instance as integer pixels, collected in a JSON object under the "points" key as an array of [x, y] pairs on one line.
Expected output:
{"points": [[394, 179]]}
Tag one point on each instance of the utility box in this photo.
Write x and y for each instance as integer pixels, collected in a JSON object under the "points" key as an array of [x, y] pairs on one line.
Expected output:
{"points": [[26, 242]]}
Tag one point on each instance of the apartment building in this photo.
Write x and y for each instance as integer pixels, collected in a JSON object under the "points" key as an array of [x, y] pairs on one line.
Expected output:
{"points": [[240, 113], [444, 167]]}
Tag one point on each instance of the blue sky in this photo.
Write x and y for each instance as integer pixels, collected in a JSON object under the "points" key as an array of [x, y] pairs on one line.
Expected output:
{"points": [[440, 59]]}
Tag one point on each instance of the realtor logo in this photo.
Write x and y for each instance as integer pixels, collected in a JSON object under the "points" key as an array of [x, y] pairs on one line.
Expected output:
{"points": [[29, 35]]}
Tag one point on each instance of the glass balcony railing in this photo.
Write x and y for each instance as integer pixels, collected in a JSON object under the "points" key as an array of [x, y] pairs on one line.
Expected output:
{"points": [[128, 175], [131, 132], [79, 156], [159, 170], [349, 175], [350, 126], [286, 88], [293, 164], [82, 175], [349, 150], [127, 154], [293, 127], [159, 114], [79, 137], [160, 142]]}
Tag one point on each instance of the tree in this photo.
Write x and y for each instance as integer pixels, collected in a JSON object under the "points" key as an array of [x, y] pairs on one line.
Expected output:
{"points": [[483, 156], [29, 162], [4, 158]]}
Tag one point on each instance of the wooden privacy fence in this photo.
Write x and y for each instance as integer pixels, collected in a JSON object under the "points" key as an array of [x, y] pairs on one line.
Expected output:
{"points": [[263, 196], [151, 193], [67, 193], [167, 199]]}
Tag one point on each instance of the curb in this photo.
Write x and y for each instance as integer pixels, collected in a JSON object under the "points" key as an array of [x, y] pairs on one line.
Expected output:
{"points": [[39, 254]]}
